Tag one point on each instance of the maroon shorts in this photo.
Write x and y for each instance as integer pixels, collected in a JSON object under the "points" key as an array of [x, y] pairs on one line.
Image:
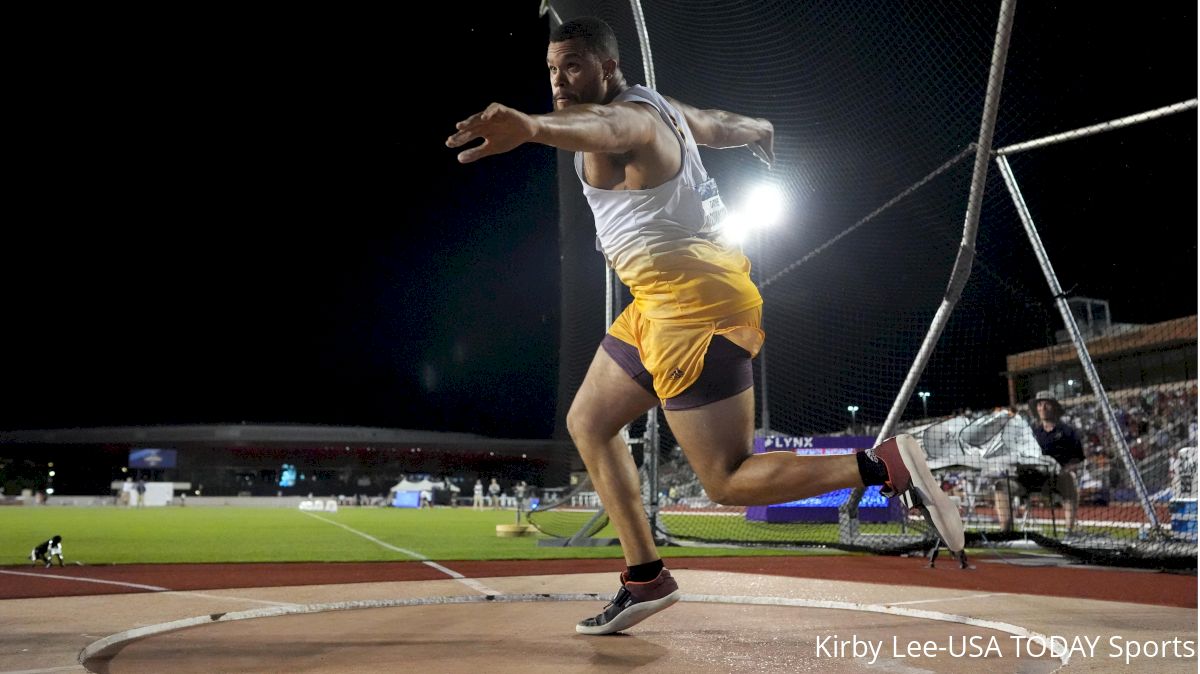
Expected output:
{"points": [[727, 372]]}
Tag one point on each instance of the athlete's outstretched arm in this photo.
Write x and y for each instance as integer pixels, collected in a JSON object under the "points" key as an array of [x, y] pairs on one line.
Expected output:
{"points": [[723, 129], [616, 127]]}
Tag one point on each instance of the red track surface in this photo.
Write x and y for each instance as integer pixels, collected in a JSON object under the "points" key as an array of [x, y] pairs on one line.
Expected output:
{"points": [[989, 576]]}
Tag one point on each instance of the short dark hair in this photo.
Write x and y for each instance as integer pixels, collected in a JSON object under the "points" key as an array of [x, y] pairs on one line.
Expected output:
{"points": [[596, 35]]}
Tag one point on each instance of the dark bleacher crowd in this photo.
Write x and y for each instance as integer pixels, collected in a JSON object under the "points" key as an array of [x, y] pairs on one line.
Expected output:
{"points": [[1156, 421]]}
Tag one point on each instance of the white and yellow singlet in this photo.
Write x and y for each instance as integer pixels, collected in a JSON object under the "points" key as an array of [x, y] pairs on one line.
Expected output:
{"points": [[686, 285]]}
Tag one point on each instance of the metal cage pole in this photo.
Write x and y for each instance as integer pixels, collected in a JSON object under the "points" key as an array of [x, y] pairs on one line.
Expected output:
{"points": [[764, 400], [580, 537], [651, 442], [1085, 359], [848, 513]]}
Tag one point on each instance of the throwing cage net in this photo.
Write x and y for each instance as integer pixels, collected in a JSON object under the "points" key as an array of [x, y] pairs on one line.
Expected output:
{"points": [[934, 271]]}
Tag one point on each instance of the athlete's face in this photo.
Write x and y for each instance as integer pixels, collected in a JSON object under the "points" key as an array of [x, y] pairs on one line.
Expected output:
{"points": [[576, 75]]}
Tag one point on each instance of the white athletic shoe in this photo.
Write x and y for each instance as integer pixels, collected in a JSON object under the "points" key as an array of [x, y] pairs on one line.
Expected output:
{"points": [[909, 479]]}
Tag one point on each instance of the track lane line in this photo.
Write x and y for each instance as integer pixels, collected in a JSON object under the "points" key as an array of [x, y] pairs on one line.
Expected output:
{"points": [[932, 601], [153, 588], [469, 582]]}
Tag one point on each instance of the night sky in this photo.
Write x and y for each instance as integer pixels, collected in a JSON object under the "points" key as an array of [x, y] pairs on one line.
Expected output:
{"points": [[212, 226]]}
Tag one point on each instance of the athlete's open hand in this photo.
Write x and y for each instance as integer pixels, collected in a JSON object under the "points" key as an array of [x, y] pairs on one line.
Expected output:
{"points": [[500, 127], [764, 147]]}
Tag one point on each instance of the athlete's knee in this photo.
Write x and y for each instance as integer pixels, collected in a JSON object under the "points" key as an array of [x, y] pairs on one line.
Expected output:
{"points": [[722, 486], [585, 428], [723, 492]]}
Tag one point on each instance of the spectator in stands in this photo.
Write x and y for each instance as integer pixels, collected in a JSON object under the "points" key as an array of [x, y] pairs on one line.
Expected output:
{"points": [[1059, 441], [477, 497]]}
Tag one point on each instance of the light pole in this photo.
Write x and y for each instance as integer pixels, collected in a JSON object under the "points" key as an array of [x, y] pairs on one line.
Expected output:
{"points": [[762, 352], [924, 396], [762, 210], [853, 410]]}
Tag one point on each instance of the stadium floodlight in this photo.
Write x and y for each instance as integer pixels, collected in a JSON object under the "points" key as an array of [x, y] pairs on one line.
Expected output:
{"points": [[761, 211], [853, 410], [765, 206], [734, 228], [924, 396]]}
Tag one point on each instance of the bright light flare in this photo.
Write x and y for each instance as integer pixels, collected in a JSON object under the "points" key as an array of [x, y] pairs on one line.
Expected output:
{"points": [[765, 206], [763, 209], [734, 228]]}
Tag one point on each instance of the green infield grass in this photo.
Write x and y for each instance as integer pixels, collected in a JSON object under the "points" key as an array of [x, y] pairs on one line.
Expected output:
{"points": [[177, 535]]}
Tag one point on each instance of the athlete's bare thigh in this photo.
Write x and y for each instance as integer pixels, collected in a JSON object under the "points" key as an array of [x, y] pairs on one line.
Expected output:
{"points": [[607, 400]]}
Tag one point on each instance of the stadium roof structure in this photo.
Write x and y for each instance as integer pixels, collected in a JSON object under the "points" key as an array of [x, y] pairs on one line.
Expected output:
{"points": [[262, 434]]}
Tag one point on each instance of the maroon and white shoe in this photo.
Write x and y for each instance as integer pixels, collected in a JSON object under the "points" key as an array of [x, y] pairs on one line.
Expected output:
{"points": [[633, 603], [910, 480]]}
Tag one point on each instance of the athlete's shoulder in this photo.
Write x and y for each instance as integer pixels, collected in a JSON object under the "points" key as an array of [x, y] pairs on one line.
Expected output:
{"points": [[640, 93]]}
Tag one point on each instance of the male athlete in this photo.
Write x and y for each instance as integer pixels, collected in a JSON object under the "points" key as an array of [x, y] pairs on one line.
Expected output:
{"points": [[687, 339]]}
